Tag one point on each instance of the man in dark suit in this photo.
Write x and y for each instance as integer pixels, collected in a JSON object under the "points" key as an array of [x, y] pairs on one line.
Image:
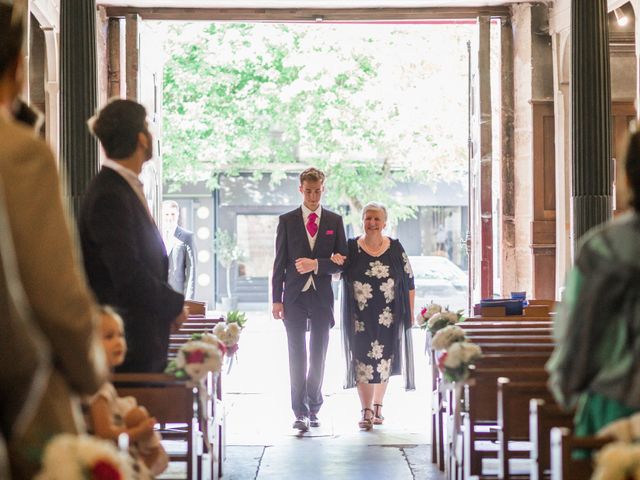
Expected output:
{"points": [[123, 252], [302, 295], [181, 250]]}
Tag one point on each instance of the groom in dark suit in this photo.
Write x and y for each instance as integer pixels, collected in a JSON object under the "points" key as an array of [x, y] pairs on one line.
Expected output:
{"points": [[302, 295], [124, 256]]}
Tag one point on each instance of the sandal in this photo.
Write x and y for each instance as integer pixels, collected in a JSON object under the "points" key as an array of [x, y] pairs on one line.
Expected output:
{"points": [[378, 419], [366, 423]]}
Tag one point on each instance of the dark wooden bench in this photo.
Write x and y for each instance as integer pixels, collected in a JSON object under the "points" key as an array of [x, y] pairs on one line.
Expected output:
{"points": [[170, 401], [514, 436], [543, 416], [563, 465], [479, 416]]}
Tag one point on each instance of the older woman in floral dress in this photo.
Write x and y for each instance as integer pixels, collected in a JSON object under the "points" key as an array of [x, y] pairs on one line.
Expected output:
{"points": [[377, 313]]}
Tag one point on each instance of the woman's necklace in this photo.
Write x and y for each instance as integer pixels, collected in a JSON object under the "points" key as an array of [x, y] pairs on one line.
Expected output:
{"points": [[374, 251]]}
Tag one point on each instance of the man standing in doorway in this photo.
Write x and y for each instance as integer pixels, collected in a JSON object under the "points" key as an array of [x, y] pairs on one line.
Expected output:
{"points": [[302, 295], [180, 249], [123, 252]]}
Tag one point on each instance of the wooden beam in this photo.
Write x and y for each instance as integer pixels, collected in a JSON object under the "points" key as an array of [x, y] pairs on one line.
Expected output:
{"points": [[113, 55], [508, 243], [131, 55], [486, 160], [311, 14]]}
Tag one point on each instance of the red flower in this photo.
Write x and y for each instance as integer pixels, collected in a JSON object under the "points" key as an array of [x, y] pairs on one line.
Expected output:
{"points": [[441, 360], [105, 470], [196, 356], [423, 311]]}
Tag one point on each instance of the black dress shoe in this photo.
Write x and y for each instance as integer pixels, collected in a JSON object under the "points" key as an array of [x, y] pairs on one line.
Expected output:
{"points": [[314, 421], [301, 423]]}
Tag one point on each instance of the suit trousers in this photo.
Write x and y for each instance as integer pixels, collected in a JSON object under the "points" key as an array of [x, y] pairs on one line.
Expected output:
{"points": [[308, 313]]}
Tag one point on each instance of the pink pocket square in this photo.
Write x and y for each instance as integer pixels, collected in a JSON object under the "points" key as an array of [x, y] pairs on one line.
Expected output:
{"points": [[329, 232]]}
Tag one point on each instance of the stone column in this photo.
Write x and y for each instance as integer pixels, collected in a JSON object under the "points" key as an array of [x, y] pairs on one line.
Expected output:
{"points": [[78, 97], [591, 114]]}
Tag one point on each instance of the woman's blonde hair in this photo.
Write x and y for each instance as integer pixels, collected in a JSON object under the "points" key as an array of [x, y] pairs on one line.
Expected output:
{"points": [[374, 206]]}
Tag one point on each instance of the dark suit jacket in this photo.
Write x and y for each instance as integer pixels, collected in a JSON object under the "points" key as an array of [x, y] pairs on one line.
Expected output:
{"points": [[292, 243], [182, 267], [127, 266]]}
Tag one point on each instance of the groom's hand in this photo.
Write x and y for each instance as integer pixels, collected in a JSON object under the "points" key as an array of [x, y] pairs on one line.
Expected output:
{"points": [[306, 265], [278, 311]]}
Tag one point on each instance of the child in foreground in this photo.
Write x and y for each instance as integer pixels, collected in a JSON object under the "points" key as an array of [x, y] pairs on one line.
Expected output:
{"points": [[111, 415]]}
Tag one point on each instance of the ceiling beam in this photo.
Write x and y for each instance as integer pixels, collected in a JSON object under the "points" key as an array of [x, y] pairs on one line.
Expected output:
{"points": [[311, 14]]}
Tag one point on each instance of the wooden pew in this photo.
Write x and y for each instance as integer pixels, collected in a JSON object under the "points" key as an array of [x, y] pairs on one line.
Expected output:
{"points": [[563, 444], [498, 352], [513, 423], [490, 347], [519, 331], [505, 324], [479, 415], [543, 416], [170, 401]]}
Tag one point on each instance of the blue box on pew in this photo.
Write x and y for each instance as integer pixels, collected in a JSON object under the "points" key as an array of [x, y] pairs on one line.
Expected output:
{"points": [[511, 306]]}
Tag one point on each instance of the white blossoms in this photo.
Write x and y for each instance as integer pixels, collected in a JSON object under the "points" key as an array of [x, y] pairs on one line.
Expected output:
{"points": [[407, 266], [387, 289], [364, 372], [198, 357], [376, 350], [386, 317], [76, 457], [461, 354], [362, 293], [427, 312], [384, 369], [446, 337], [228, 333], [378, 270]]}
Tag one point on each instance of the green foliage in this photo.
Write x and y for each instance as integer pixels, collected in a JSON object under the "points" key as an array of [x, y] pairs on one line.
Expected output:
{"points": [[272, 97], [234, 316], [227, 248]]}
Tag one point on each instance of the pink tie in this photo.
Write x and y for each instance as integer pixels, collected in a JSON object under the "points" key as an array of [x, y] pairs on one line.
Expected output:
{"points": [[312, 226]]}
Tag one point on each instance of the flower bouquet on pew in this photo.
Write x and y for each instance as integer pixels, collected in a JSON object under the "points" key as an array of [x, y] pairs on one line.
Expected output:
{"points": [[447, 336], [202, 354], [229, 334], [79, 457], [454, 362], [426, 313], [618, 461]]}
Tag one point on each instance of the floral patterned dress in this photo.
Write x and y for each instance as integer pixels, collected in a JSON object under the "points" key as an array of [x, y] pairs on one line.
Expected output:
{"points": [[374, 296]]}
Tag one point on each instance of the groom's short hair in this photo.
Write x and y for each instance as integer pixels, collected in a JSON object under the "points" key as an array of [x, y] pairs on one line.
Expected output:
{"points": [[312, 175]]}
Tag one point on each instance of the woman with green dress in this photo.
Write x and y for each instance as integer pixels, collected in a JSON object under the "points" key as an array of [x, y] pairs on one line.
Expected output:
{"points": [[595, 365]]}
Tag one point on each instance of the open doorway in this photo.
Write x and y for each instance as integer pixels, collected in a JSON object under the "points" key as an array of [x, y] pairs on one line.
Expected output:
{"points": [[404, 146]]}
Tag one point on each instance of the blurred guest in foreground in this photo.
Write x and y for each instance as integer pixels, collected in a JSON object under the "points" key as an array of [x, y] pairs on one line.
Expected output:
{"points": [[39, 380], [594, 366]]}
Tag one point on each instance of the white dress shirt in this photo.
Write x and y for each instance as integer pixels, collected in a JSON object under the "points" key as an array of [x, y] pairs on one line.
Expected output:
{"points": [[131, 178]]}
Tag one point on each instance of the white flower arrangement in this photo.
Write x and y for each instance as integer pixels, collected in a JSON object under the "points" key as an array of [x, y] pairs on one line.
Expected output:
{"points": [[447, 336], [454, 362], [197, 357], [426, 313], [618, 461], [443, 319], [77, 457], [229, 334]]}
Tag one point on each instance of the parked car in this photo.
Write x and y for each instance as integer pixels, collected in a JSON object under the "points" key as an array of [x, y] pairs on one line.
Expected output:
{"points": [[441, 281]]}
